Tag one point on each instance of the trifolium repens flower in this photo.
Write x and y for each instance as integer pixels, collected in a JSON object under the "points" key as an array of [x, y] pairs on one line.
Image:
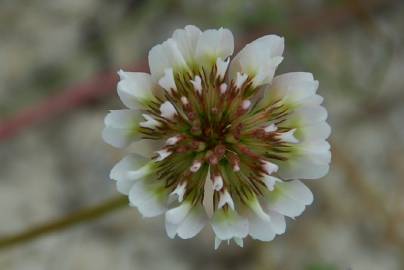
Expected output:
{"points": [[230, 141]]}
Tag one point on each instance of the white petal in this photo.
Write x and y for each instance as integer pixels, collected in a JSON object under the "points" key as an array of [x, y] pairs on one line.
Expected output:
{"points": [[193, 223], [187, 40], [150, 122], [223, 88], [278, 223], [306, 115], [261, 229], [259, 59], [221, 67], [266, 229], [144, 147], [168, 110], [175, 216], [119, 171], [254, 204], [121, 127], [292, 87], [128, 163], [302, 167], [139, 173], [208, 196], [312, 100], [316, 151], [270, 128], [240, 79], [288, 136], [217, 183], [297, 190], [124, 185], [311, 161], [286, 206], [263, 76], [228, 224], [213, 44], [315, 132], [167, 81], [135, 89], [270, 167], [289, 198], [184, 100], [225, 198], [166, 56], [196, 166], [197, 83], [162, 154], [173, 140], [245, 104], [270, 182], [149, 198], [179, 191]]}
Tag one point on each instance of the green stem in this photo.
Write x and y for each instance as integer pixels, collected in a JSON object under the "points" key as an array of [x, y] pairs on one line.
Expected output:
{"points": [[64, 222]]}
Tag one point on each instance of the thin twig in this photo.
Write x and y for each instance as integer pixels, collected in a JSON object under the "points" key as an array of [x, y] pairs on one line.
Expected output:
{"points": [[75, 218]]}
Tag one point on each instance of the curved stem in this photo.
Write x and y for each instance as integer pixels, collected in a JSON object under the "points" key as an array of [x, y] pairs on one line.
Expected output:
{"points": [[64, 222]]}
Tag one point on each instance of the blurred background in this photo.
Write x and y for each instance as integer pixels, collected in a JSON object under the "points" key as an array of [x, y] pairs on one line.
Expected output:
{"points": [[58, 60]]}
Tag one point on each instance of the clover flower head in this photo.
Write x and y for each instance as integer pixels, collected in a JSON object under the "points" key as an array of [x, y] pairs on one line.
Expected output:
{"points": [[231, 140]]}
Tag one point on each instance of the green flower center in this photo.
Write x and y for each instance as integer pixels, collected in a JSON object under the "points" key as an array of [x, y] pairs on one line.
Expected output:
{"points": [[217, 127]]}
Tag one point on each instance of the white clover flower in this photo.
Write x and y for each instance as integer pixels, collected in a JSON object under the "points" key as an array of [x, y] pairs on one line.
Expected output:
{"points": [[234, 140]]}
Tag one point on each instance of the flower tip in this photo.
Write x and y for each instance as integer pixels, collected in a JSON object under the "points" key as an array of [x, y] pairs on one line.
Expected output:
{"points": [[196, 166], [270, 128], [180, 191], [217, 183], [173, 140], [221, 67], [167, 82], [223, 88], [168, 110], [225, 198], [162, 154], [245, 104], [121, 74], [289, 136], [197, 84], [241, 79], [270, 167]]}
